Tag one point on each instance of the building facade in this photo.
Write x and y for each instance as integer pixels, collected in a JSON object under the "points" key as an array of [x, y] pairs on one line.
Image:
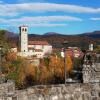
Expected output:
{"points": [[32, 48], [23, 41], [40, 48], [23, 38]]}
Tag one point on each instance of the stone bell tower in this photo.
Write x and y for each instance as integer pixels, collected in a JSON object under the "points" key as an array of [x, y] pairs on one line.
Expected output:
{"points": [[23, 39]]}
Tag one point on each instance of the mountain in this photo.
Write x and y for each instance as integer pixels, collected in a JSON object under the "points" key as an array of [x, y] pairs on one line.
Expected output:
{"points": [[56, 39], [95, 34], [51, 33], [9, 34]]}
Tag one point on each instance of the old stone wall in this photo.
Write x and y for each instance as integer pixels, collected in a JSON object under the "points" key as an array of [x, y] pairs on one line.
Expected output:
{"points": [[51, 92]]}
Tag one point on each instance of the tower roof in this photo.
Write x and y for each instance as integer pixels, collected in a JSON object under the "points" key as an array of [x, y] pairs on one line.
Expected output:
{"points": [[23, 26]]}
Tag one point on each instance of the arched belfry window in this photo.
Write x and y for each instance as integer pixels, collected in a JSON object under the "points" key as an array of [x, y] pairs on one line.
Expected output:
{"points": [[22, 29], [25, 29]]}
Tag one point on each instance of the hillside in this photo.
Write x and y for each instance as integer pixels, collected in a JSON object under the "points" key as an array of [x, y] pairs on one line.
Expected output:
{"points": [[95, 34], [56, 39]]}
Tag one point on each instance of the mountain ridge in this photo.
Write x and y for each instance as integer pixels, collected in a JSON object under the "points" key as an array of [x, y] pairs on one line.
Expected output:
{"points": [[56, 39]]}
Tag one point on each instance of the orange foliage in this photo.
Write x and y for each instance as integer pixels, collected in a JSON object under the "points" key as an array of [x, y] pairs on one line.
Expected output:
{"points": [[57, 65], [11, 56], [53, 60], [22, 74], [69, 63], [44, 75], [30, 70]]}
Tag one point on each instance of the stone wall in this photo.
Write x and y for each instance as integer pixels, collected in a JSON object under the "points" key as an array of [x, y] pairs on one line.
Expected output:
{"points": [[91, 73], [51, 92]]}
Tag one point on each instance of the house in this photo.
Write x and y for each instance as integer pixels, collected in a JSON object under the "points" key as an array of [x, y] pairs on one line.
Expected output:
{"points": [[73, 52], [40, 48]]}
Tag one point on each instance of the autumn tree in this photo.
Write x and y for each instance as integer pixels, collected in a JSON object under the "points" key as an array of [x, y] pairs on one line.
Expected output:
{"points": [[69, 63], [57, 68], [11, 56]]}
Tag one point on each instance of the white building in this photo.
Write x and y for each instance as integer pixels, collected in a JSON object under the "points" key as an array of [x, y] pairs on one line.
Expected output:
{"points": [[91, 47], [40, 48], [32, 48]]}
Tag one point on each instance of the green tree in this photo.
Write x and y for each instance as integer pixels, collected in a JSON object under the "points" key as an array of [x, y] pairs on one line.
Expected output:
{"points": [[4, 42]]}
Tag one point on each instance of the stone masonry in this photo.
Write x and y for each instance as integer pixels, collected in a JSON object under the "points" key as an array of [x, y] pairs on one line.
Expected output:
{"points": [[91, 73], [51, 92]]}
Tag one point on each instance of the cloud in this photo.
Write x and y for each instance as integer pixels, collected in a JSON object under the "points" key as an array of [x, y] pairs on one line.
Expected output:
{"points": [[16, 9], [27, 1], [37, 25], [40, 19], [95, 19], [47, 25], [47, 21]]}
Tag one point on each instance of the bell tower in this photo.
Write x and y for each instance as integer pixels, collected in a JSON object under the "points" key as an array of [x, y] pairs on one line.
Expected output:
{"points": [[23, 39]]}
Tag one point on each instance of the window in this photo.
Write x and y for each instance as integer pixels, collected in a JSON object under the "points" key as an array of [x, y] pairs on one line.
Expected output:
{"points": [[42, 46], [22, 29], [34, 46], [14, 98], [25, 29], [99, 94]]}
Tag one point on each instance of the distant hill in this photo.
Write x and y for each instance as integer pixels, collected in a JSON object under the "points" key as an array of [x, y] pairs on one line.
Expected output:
{"points": [[9, 34], [56, 39], [51, 33], [95, 34]]}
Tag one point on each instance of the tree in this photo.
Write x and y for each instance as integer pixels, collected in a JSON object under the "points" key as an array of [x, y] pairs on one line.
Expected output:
{"points": [[4, 42], [57, 68], [11, 56], [69, 63]]}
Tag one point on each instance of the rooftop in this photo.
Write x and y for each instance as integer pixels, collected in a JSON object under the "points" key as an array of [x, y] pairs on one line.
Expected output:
{"points": [[38, 43]]}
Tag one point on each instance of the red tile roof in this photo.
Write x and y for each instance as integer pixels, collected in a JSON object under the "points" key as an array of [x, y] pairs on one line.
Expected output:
{"points": [[38, 50], [38, 43], [30, 48]]}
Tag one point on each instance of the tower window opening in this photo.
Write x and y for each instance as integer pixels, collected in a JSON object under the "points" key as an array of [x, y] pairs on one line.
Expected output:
{"points": [[22, 29], [25, 29]]}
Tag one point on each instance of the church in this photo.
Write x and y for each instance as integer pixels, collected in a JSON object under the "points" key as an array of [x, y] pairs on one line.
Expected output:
{"points": [[28, 48]]}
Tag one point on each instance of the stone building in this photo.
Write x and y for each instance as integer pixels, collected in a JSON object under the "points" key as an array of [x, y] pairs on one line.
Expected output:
{"points": [[23, 40], [32, 48]]}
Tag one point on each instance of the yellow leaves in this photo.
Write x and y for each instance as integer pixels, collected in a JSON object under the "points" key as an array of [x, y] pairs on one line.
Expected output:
{"points": [[57, 64], [49, 71], [44, 75], [26, 69], [21, 72], [11, 56], [30, 70], [69, 63]]}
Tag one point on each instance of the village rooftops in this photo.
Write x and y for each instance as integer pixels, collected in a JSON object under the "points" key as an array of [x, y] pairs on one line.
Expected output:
{"points": [[38, 43]]}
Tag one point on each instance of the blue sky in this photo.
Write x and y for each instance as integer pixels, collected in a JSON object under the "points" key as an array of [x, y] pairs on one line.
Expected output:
{"points": [[41, 16]]}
